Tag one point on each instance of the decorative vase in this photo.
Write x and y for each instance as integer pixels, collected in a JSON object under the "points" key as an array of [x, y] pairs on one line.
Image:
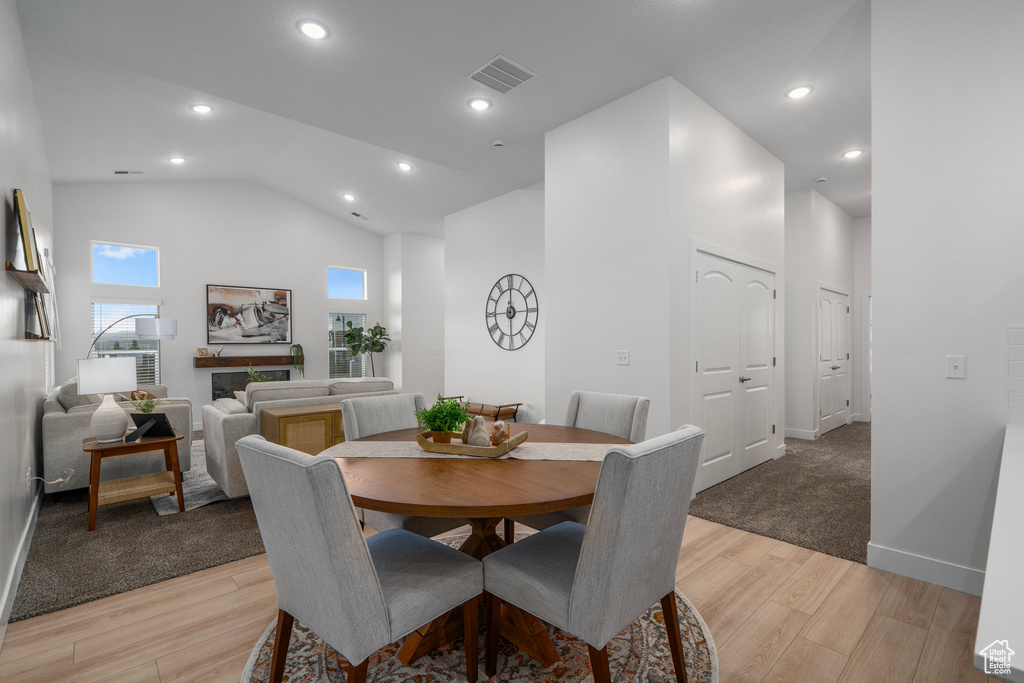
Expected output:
{"points": [[441, 437], [479, 432], [109, 422]]}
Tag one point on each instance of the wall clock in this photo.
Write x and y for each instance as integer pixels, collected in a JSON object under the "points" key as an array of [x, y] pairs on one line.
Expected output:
{"points": [[512, 311]]}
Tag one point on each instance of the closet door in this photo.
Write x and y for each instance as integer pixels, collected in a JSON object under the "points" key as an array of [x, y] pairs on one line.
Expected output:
{"points": [[833, 361], [734, 338]]}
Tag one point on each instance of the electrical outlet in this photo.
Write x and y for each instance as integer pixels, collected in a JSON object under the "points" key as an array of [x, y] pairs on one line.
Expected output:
{"points": [[623, 357], [956, 367]]}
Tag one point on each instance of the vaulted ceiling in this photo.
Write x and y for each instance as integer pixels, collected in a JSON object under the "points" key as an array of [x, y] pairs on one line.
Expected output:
{"points": [[114, 80]]}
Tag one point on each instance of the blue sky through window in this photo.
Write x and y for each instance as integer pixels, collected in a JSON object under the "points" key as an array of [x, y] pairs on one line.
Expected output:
{"points": [[345, 284], [115, 264]]}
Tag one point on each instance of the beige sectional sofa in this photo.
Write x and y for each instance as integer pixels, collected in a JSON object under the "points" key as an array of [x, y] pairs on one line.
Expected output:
{"points": [[66, 417], [229, 419]]}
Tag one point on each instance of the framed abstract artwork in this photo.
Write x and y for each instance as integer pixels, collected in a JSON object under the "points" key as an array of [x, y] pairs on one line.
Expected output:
{"points": [[248, 315]]}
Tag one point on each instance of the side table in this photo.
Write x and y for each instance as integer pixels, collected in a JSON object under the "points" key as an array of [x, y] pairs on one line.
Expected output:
{"points": [[130, 488]]}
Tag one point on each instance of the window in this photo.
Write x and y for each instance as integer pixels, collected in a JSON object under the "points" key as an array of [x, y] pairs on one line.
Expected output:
{"points": [[125, 264], [346, 283], [340, 362], [120, 340]]}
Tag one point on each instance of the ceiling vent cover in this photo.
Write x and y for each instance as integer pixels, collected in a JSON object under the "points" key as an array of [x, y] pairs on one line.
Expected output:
{"points": [[501, 74], [359, 215], [122, 172]]}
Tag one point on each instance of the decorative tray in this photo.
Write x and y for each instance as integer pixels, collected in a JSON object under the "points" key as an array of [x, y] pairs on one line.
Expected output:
{"points": [[465, 449]]}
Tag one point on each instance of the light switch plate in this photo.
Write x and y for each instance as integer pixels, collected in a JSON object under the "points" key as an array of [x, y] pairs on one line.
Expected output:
{"points": [[623, 357], [956, 367]]}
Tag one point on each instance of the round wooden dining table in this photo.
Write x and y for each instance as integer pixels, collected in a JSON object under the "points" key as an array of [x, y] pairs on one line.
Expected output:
{"points": [[483, 492]]}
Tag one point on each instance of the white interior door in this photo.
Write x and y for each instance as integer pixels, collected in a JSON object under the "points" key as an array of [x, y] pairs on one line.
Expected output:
{"points": [[833, 361], [734, 341]]}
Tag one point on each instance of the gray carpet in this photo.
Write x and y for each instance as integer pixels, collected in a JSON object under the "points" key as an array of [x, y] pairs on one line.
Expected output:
{"points": [[132, 546], [817, 496]]}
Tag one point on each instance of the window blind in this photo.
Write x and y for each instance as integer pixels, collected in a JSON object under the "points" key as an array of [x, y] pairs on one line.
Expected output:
{"points": [[340, 362], [121, 340]]}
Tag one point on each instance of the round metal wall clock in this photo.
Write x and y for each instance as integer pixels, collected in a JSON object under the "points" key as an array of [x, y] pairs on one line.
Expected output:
{"points": [[512, 312]]}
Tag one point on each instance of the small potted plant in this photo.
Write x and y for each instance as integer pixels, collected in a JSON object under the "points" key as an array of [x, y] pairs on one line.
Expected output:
{"points": [[144, 401], [443, 419]]}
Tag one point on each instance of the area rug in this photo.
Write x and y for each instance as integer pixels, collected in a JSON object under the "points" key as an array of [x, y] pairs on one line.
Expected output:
{"points": [[197, 486], [131, 547], [817, 496], [639, 653]]}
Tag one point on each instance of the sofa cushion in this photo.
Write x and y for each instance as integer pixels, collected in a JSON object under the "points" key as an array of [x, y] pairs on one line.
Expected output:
{"points": [[70, 398], [360, 385], [240, 396], [230, 406], [87, 408], [273, 391]]}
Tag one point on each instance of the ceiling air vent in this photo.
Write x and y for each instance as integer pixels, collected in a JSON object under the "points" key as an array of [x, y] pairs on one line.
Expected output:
{"points": [[501, 74], [359, 215], [119, 172]]}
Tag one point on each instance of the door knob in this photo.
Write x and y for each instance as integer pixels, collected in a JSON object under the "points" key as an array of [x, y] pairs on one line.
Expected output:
{"points": [[744, 379]]}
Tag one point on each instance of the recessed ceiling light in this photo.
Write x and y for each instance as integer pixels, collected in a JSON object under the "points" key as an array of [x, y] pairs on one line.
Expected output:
{"points": [[404, 166], [799, 92], [177, 160], [853, 153], [349, 197], [480, 104], [313, 29], [201, 108]]}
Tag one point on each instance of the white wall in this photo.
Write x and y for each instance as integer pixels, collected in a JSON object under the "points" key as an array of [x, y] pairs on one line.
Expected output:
{"points": [[946, 276], [22, 363], [482, 243], [629, 187], [607, 254], [725, 190], [210, 233], [862, 318], [414, 296], [819, 251]]}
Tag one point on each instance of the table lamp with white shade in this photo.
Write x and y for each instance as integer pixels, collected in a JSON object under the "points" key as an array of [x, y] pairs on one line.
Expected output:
{"points": [[112, 375], [107, 376]]}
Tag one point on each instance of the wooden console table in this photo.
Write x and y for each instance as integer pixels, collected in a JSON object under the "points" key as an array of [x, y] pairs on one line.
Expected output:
{"points": [[310, 429], [130, 488]]}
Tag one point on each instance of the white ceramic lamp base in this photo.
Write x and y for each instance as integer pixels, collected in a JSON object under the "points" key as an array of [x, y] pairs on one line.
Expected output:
{"points": [[109, 423]]}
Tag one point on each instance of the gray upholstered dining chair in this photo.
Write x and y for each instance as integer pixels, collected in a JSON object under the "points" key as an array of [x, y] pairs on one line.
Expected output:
{"points": [[616, 414], [358, 594], [592, 581], [375, 414]]}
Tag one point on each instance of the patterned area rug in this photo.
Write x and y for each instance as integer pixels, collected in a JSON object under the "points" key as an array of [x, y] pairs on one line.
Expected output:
{"points": [[197, 485], [638, 654]]}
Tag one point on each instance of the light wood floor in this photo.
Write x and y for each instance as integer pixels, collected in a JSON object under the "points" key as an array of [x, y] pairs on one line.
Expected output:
{"points": [[777, 612]]}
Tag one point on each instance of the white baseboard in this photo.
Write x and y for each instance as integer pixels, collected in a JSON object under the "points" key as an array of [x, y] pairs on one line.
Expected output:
{"points": [[860, 417], [939, 572], [805, 434], [11, 589], [197, 426]]}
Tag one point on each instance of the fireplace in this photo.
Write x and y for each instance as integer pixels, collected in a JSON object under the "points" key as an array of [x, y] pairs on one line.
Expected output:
{"points": [[225, 384]]}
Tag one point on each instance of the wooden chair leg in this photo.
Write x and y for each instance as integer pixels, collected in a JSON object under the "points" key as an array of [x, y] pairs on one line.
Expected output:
{"points": [[281, 638], [599, 664], [675, 640], [510, 531], [357, 673], [469, 619], [491, 648]]}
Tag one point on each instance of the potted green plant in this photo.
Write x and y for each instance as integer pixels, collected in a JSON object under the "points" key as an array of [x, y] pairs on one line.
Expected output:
{"points": [[144, 401], [298, 359], [371, 341], [443, 419], [255, 375]]}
